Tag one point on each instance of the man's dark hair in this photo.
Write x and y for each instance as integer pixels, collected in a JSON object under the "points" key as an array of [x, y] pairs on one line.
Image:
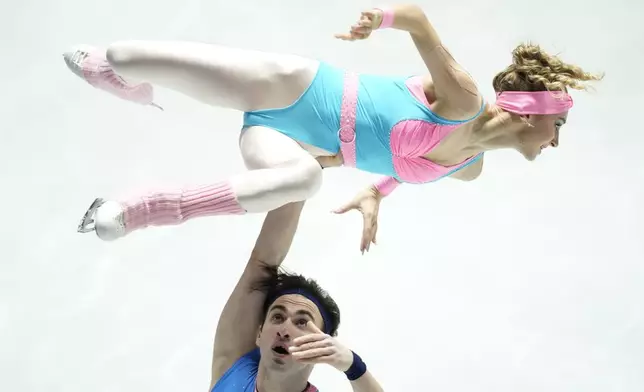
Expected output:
{"points": [[277, 280]]}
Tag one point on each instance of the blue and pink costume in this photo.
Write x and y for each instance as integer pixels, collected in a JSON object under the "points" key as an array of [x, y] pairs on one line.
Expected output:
{"points": [[381, 124], [242, 376]]}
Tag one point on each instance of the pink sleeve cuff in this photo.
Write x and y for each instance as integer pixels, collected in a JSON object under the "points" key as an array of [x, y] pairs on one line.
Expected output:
{"points": [[386, 185], [387, 18]]}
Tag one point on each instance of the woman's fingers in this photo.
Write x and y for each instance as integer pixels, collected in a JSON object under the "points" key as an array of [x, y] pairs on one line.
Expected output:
{"points": [[368, 230]]}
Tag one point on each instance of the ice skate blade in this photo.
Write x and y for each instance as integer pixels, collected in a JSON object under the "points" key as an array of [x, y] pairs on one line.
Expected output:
{"points": [[86, 224]]}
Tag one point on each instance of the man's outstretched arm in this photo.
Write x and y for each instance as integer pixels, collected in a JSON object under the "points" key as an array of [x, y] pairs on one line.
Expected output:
{"points": [[240, 319]]}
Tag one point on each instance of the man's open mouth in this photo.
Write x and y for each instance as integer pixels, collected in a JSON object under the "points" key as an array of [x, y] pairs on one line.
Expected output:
{"points": [[281, 350]]}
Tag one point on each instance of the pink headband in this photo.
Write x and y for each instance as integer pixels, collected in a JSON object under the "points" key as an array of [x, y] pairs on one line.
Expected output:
{"points": [[534, 102]]}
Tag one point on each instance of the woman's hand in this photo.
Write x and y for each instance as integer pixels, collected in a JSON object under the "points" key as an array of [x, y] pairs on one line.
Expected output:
{"points": [[368, 203], [369, 21], [318, 347]]}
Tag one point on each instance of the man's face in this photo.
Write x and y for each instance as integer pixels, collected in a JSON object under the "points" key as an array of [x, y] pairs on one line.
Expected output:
{"points": [[286, 320]]}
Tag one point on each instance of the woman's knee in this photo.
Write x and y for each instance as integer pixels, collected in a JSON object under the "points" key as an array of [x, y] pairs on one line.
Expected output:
{"points": [[266, 189], [307, 177], [263, 148]]}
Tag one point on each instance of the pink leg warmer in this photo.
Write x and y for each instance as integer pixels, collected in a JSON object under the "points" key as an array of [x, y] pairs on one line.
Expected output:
{"points": [[176, 207], [92, 65]]}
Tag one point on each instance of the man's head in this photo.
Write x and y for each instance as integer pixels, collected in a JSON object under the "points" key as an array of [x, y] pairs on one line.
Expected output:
{"points": [[291, 302]]}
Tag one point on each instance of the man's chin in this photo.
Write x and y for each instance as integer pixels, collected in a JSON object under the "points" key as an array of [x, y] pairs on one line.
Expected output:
{"points": [[279, 363]]}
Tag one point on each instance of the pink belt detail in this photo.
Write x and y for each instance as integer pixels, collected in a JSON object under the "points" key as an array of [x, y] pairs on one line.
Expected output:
{"points": [[347, 131]]}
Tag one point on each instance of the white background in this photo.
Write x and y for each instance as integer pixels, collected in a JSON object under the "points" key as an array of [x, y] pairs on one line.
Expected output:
{"points": [[528, 279]]}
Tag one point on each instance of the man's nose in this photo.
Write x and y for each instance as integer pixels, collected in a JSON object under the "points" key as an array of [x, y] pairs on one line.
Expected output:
{"points": [[283, 334]]}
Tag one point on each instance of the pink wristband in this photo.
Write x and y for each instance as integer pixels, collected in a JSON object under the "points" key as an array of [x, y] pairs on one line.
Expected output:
{"points": [[387, 18], [386, 185]]}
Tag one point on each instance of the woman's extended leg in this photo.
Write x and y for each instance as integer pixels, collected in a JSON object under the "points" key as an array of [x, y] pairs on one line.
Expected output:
{"points": [[213, 74], [281, 172]]}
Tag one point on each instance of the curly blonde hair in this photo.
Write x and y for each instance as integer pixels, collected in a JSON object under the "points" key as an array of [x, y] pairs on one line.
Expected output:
{"points": [[533, 69]]}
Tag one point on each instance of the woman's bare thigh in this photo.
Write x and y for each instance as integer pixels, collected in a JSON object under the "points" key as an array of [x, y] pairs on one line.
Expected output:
{"points": [[217, 75]]}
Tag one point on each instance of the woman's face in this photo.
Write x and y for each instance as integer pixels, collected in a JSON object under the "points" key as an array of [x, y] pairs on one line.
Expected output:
{"points": [[542, 133]]}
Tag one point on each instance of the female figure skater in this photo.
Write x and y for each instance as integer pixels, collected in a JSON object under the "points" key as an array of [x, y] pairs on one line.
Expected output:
{"points": [[299, 112]]}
